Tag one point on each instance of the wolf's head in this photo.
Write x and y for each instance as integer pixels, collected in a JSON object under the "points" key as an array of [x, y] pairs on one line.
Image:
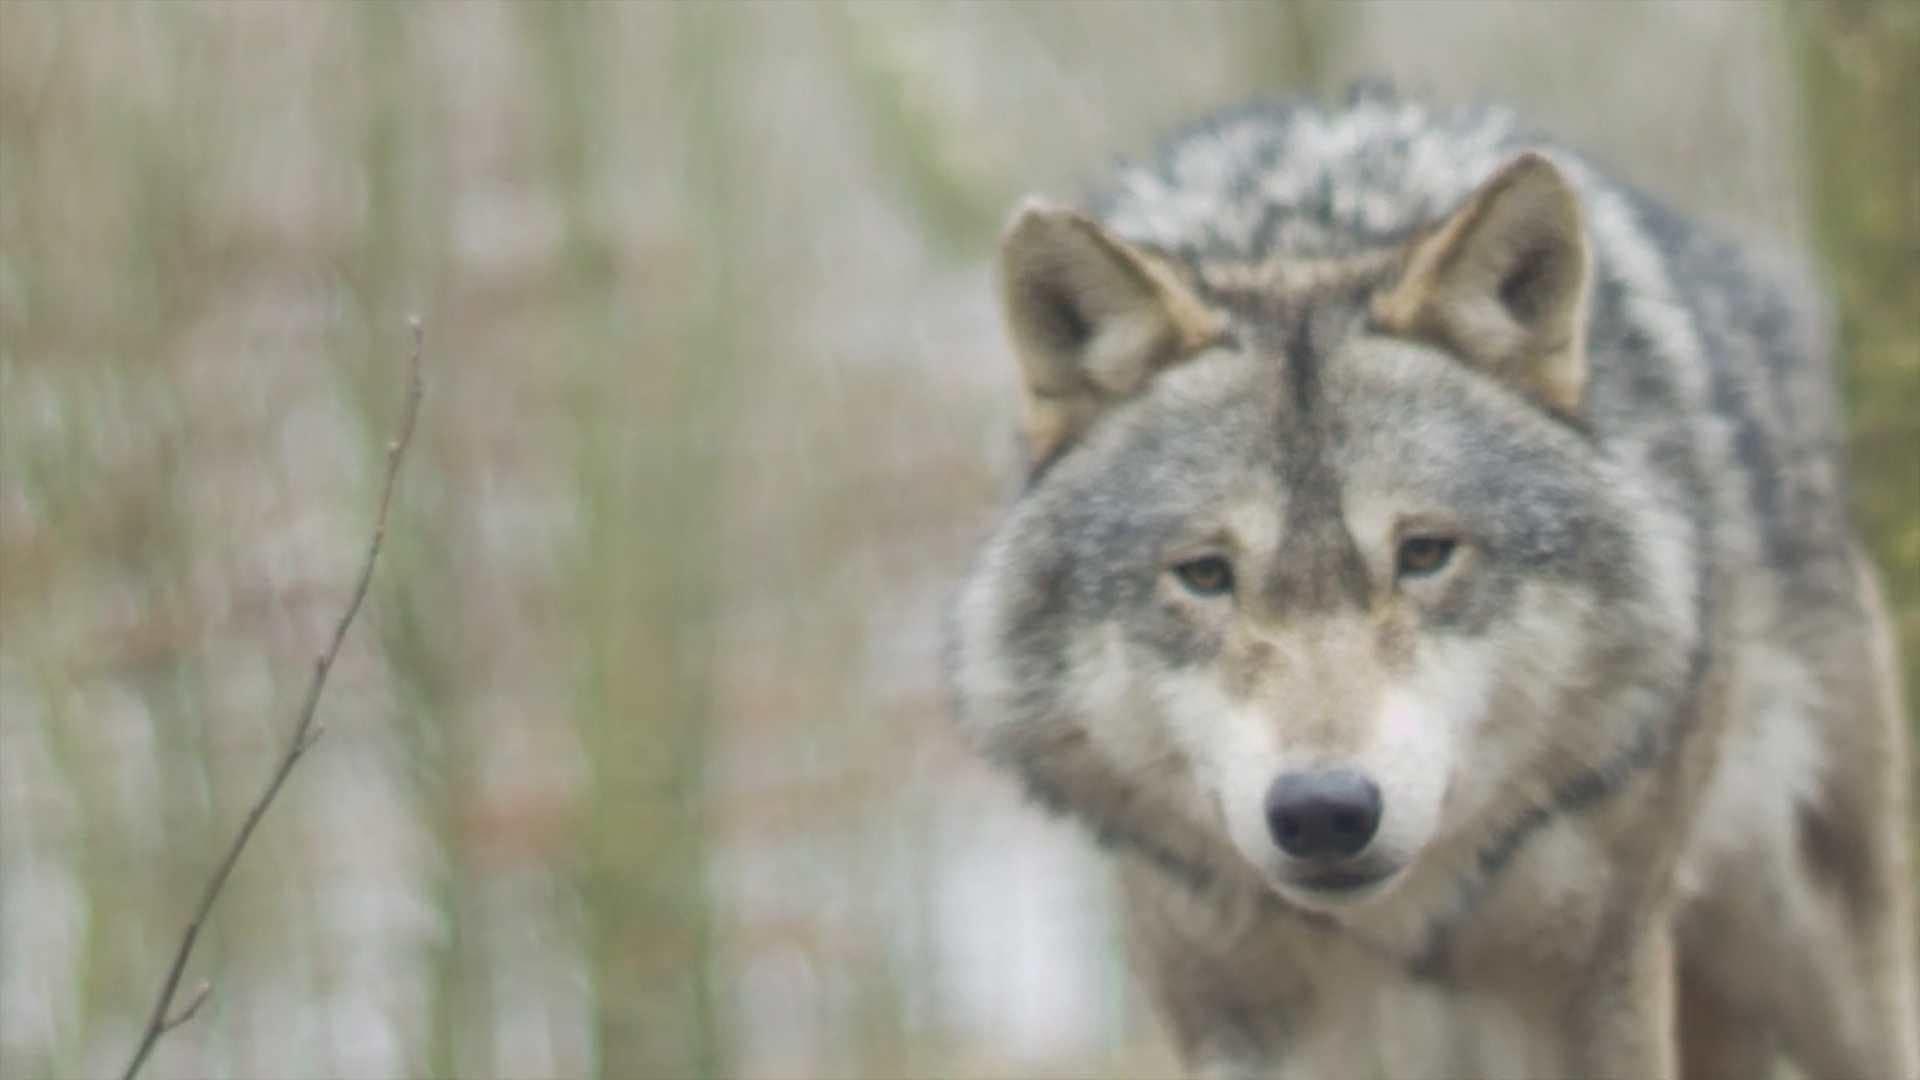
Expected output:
{"points": [[1318, 562]]}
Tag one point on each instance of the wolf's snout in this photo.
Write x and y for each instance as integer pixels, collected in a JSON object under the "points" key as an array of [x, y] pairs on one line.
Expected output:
{"points": [[1318, 814]]}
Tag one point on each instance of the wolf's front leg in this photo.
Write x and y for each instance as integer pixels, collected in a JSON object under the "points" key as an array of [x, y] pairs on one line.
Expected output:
{"points": [[1618, 1019], [1341, 1030], [1317, 1048]]}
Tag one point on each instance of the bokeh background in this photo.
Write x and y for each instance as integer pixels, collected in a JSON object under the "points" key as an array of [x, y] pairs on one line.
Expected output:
{"points": [[635, 764]]}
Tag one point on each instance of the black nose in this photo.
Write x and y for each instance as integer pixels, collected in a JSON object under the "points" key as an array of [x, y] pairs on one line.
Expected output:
{"points": [[1323, 813]]}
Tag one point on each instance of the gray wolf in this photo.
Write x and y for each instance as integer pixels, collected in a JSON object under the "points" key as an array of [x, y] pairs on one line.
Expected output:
{"points": [[1433, 583]]}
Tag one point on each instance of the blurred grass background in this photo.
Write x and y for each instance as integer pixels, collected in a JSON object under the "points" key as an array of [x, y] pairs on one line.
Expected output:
{"points": [[636, 763]]}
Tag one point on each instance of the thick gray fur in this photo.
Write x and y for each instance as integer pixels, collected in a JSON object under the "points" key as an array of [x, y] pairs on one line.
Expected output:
{"points": [[1690, 850]]}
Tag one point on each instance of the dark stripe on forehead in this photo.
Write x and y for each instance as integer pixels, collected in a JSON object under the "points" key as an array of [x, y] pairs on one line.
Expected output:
{"points": [[1295, 310], [1319, 566], [1302, 364]]}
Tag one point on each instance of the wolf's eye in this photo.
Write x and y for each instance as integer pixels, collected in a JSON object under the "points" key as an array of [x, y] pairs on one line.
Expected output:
{"points": [[1421, 556], [1208, 575]]}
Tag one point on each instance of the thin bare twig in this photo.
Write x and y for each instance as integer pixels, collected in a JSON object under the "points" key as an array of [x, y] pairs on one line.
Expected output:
{"points": [[305, 733], [199, 998]]}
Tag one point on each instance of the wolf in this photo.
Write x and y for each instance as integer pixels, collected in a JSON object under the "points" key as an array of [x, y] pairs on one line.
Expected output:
{"points": [[1433, 583]]}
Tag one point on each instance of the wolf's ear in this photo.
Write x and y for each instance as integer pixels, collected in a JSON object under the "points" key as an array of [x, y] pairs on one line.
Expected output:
{"points": [[1091, 318], [1503, 283]]}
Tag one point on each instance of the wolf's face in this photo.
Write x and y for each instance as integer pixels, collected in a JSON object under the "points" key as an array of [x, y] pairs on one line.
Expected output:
{"points": [[1304, 578]]}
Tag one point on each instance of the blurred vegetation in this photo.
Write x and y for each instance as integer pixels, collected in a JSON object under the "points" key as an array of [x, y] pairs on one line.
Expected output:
{"points": [[636, 763], [1860, 61]]}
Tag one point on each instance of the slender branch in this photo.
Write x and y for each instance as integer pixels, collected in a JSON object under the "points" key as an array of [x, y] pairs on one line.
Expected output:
{"points": [[199, 998], [305, 733]]}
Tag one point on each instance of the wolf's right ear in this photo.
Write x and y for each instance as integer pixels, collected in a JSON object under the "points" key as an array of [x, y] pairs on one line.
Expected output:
{"points": [[1091, 317], [1504, 283]]}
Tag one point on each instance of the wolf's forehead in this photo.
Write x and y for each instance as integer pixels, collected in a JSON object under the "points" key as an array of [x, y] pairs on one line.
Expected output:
{"points": [[1293, 320], [1311, 406], [1293, 282], [1255, 425]]}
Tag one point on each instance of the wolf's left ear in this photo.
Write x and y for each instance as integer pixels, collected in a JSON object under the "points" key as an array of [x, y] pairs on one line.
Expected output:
{"points": [[1503, 283], [1092, 318]]}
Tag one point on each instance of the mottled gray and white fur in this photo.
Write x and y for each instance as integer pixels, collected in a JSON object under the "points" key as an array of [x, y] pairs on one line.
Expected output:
{"points": [[1399, 446]]}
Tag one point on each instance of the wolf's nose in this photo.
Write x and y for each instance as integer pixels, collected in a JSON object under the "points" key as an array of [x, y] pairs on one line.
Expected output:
{"points": [[1323, 813]]}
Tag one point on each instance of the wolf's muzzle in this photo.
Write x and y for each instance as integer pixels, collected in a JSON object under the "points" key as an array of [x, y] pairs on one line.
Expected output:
{"points": [[1323, 815]]}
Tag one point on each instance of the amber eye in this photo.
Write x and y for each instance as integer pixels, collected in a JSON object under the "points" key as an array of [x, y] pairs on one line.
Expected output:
{"points": [[1209, 575], [1423, 556]]}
